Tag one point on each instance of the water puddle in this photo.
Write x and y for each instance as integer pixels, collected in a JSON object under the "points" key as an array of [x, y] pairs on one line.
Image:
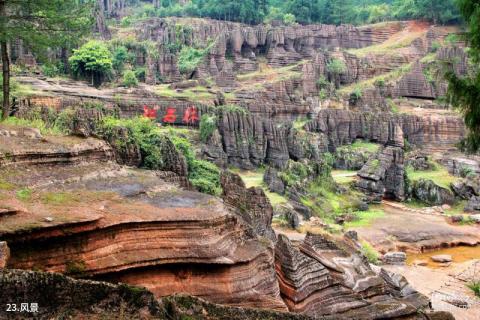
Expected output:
{"points": [[459, 254]]}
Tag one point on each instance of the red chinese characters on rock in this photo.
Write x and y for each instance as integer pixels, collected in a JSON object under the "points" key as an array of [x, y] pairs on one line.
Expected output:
{"points": [[190, 116], [170, 116], [150, 113]]}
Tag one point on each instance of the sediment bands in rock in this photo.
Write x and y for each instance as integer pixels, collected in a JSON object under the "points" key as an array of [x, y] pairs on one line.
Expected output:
{"points": [[321, 277]]}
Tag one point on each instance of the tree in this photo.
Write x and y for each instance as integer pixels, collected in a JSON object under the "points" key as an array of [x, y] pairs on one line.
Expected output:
{"points": [[464, 91], [93, 60], [39, 24]]}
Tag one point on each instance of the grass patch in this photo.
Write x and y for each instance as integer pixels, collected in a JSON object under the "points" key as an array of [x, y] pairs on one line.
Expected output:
{"points": [[255, 179], [369, 252], [438, 174], [36, 123], [24, 194], [344, 176], [365, 218], [59, 198], [475, 287], [365, 145], [6, 186], [299, 123], [198, 93], [370, 83]]}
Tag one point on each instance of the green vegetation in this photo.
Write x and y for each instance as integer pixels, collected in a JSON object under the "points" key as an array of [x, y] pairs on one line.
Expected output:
{"points": [[58, 198], [344, 176], [438, 174], [475, 287], [6, 186], [76, 267], [154, 146], [336, 66], [34, 123], [302, 11], [40, 26], [24, 194], [464, 91], [195, 94], [365, 145], [92, 61], [369, 252], [255, 179], [190, 57], [130, 79], [364, 218], [208, 125]]}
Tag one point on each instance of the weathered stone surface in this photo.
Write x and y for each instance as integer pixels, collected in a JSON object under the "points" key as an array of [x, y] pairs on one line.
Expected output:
{"points": [[383, 176], [273, 181], [473, 204], [466, 188], [320, 279], [397, 258], [4, 254], [56, 293], [442, 258], [251, 204], [429, 192]]}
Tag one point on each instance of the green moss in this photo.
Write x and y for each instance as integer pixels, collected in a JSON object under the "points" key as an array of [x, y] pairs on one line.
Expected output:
{"points": [[344, 176], [58, 198]]}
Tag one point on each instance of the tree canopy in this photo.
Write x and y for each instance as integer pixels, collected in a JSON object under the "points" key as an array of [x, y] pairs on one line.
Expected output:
{"points": [[39, 24], [464, 92], [92, 60]]}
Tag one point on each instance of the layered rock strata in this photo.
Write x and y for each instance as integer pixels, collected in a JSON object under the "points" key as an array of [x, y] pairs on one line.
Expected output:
{"points": [[322, 277]]}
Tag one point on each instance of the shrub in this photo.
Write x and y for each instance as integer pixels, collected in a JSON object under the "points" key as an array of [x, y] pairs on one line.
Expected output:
{"points": [[336, 66], [24, 194], [189, 58], [208, 124], [435, 46], [52, 70], [140, 73], [475, 287], [129, 79], [289, 19], [120, 56], [369, 252]]}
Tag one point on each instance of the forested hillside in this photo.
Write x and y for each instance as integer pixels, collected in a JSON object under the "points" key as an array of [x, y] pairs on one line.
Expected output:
{"points": [[301, 11]]}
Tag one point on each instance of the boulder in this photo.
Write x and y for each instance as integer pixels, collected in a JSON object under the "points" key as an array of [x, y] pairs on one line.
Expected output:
{"points": [[442, 258], [395, 258], [466, 188], [473, 204], [475, 218], [429, 192], [4, 254]]}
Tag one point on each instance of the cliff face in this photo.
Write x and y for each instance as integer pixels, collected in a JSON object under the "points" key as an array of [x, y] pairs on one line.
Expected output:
{"points": [[247, 140], [88, 217]]}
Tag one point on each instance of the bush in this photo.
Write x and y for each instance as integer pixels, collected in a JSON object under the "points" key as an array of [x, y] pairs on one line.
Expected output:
{"points": [[369, 252], [208, 124], [120, 56], [475, 287], [289, 19], [189, 58], [52, 70], [336, 66], [129, 79], [140, 73]]}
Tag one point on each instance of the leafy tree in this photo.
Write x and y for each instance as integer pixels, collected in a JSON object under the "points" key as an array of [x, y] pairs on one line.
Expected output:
{"points": [[39, 24], [92, 60], [464, 92]]}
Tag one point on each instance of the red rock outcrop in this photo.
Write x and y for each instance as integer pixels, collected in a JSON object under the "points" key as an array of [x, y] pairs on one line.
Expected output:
{"points": [[323, 277]]}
